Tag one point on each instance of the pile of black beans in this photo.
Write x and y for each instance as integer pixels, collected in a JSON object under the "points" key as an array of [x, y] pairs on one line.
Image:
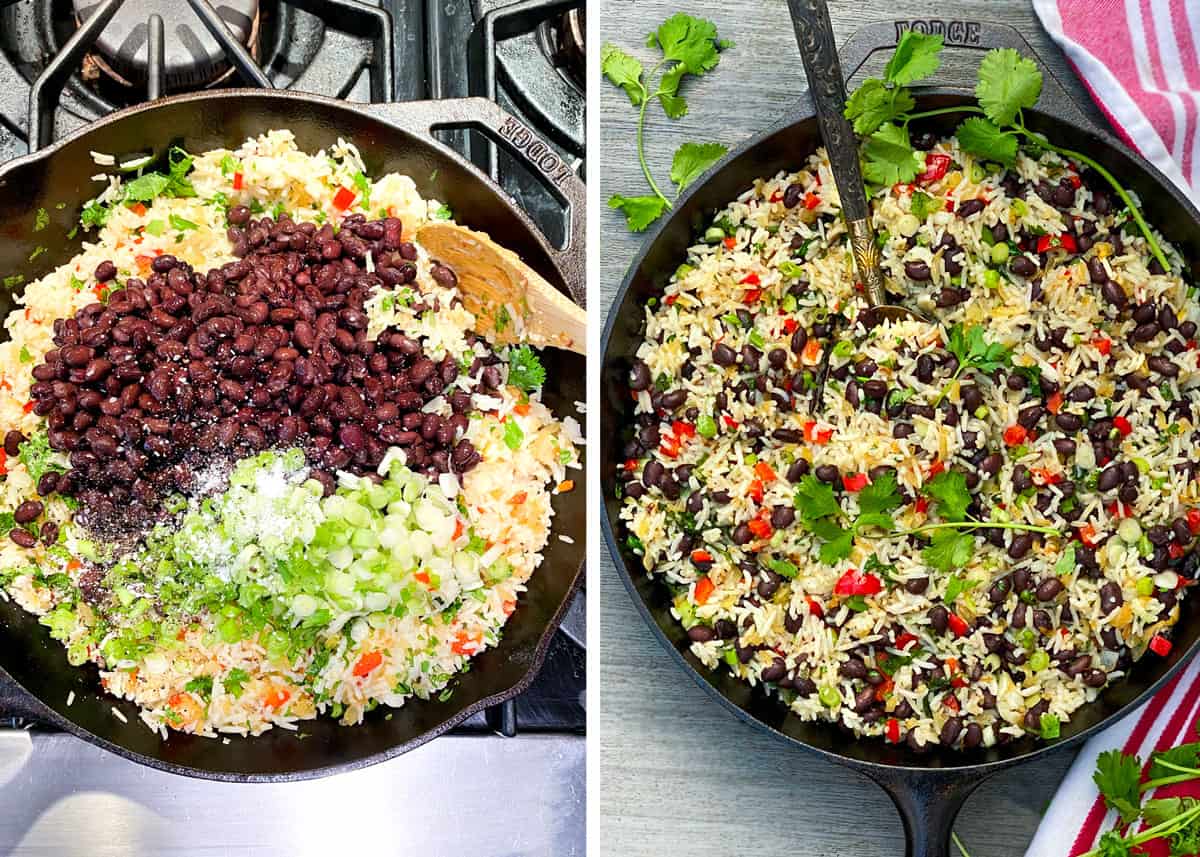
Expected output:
{"points": [[271, 349]]}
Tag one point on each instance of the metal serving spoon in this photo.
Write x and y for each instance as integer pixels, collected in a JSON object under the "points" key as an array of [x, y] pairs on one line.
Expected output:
{"points": [[814, 36]]}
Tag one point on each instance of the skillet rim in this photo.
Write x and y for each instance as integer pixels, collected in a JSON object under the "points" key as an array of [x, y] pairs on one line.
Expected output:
{"points": [[381, 113], [802, 111]]}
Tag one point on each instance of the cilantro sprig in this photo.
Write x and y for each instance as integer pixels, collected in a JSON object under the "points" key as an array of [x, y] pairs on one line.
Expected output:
{"points": [[973, 352], [146, 188], [689, 46], [1176, 820], [822, 515], [525, 370], [1008, 84]]}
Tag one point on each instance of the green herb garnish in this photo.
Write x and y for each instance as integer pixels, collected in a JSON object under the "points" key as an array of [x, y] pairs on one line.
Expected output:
{"points": [[689, 46]]}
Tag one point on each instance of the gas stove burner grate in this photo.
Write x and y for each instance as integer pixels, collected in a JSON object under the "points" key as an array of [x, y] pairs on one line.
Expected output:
{"points": [[204, 45], [134, 43]]}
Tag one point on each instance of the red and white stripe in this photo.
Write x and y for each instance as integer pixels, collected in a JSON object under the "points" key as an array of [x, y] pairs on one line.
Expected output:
{"points": [[1140, 60], [1078, 814]]}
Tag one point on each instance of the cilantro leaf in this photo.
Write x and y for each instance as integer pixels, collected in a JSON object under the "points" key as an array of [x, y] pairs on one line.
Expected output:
{"points": [[146, 188], [1117, 776], [874, 103], [7, 522], [980, 137], [956, 587], [691, 41], [235, 681], [883, 520], [624, 71], [180, 223], [201, 685], [38, 457], [880, 496], [949, 550], [838, 541], [1066, 561], [814, 499], [1161, 809], [1007, 83], [640, 211], [524, 369], [1185, 756], [692, 159], [673, 104], [917, 56], [949, 489], [889, 157]]}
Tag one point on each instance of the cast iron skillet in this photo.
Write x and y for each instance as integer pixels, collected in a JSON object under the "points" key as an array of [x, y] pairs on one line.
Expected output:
{"points": [[928, 788], [392, 138]]}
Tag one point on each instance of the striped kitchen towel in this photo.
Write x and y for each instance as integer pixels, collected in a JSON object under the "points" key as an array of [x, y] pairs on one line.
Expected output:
{"points": [[1077, 816], [1140, 60]]}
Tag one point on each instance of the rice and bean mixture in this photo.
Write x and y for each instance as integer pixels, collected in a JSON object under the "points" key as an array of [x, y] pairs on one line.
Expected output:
{"points": [[256, 465], [987, 518]]}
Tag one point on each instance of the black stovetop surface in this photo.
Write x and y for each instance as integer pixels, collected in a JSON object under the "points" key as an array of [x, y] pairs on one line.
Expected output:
{"points": [[438, 50]]}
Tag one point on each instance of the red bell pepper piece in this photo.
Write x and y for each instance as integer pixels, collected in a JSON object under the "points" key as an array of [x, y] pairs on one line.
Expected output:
{"points": [[237, 181], [1103, 345], [1015, 435], [905, 640], [750, 279], [760, 527], [957, 625], [811, 200], [343, 199], [855, 582], [935, 168], [1193, 520], [1160, 645], [756, 491], [1063, 241], [751, 296], [764, 471], [1122, 425], [893, 730], [814, 606], [855, 482], [704, 588]]}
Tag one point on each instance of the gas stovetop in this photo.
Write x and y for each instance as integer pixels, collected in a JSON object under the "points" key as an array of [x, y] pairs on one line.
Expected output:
{"points": [[64, 63]]}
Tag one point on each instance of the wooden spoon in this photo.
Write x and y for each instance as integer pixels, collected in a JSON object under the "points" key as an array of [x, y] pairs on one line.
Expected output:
{"points": [[511, 301]]}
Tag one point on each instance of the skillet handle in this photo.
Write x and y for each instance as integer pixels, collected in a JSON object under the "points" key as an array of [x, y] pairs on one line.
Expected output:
{"points": [[1055, 99], [511, 134], [929, 801]]}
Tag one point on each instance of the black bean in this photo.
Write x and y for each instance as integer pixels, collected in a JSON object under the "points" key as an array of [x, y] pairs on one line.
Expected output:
{"points": [[799, 340], [792, 195], [1020, 545], [723, 355], [674, 399], [12, 442], [951, 729], [1095, 678], [1068, 422], [1163, 366], [1064, 446], [797, 470], [30, 510], [827, 473], [1110, 597], [1145, 332], [970, 206], [916, 585], [701, 634], [776, 671], [1063, 196], [1049, 588], [639, 376], [22, 537], [916, 270], [1023, 266], [853, 668], [992, 463], [1028, 417], [1110, 477], [1081, 393], [939, 618], [783, 517]]}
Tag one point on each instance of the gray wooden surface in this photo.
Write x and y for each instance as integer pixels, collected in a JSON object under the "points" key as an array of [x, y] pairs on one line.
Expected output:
{"points": [[680, 775]]}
